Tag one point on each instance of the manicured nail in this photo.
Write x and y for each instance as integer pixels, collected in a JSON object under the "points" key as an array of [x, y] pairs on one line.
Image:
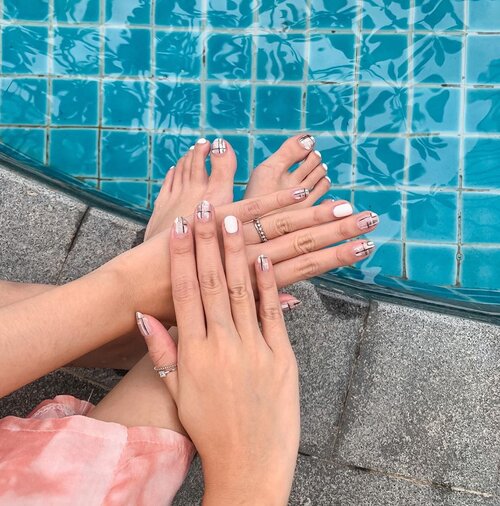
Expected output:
{"points": [[171, 168], [307, 142], [219, 146], [202, 140], [301, 194], [263, 263], [368, 221], [290, 305], [342, 211], [191, 148], [143, 324], [231, 224], [180, 226], [204, 211], [364, 249], [325, 166]]}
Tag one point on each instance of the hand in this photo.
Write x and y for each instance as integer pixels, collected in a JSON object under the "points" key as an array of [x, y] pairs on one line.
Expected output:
{"points": [[236, 387]]}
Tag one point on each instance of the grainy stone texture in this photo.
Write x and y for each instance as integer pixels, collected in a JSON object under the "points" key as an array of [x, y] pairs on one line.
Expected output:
{"points": [[37, 226], [425, 400], [101, 237]]}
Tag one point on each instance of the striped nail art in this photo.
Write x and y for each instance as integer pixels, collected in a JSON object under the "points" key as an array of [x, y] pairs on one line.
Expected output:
{"points": [[368, 222], [219, 146], [307, 141], [364, 249]]}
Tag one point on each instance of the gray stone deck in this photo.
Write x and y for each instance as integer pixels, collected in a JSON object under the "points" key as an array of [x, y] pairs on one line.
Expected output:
{"points": [[399, 406]]}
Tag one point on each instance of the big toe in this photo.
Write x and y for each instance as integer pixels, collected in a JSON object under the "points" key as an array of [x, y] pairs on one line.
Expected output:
{"points": [[223, 161]]}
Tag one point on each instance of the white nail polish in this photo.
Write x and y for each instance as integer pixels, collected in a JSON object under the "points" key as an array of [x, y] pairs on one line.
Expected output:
{"points": [[325, 166], [231, 224], [317, 153], [201, 141], [328, 179], [191, 148], [342, 211]]}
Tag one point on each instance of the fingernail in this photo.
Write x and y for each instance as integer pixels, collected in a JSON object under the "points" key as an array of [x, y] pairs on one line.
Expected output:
{"points": [[143, 324], [301, 194], [263, 263], [202, 140], [325, 166], [219, 146], [368, 221], [231, 224], [342, 210], [317, 153], [180, 226], [203, 211], [290, 306], [364, 249], [307, 142]]}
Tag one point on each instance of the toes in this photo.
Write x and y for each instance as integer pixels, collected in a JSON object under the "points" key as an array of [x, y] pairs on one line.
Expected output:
{"points": [[199, 161], [292, 151], [314, 176], [166, 187], [186, 170], [178, 173], [223, 162], [306, 167]]}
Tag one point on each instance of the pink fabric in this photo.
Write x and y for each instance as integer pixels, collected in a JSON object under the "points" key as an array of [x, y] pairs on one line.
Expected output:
{"points": [[56, 457]]}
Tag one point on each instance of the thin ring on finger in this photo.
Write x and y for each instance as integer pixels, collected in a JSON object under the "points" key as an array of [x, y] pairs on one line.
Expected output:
{"points": [[260, 230]]}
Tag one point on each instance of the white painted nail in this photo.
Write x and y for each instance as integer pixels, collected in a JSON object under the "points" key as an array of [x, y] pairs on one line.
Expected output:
{"points": [[317, 153], [325, 166], [231, 224], [201, 141], [328, 179], [191, 148], [342, 211]]}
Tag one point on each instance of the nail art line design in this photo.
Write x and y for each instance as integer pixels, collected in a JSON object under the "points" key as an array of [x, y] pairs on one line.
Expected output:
{"points": [[290, 306], [143, 324], [364, 249], [180, 226], [263, 263], [301, 194], [307, 141], [368, 222], [219, 146], [203, 211]]}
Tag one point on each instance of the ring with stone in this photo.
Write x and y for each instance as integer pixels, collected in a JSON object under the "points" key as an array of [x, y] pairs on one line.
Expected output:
{"points": [[164, 370]]}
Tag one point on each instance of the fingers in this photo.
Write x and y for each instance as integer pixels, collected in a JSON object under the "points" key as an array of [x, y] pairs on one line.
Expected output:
{"points": [[162, 348], [238, 279], [270, 313], [185, 289], [319, 262]]}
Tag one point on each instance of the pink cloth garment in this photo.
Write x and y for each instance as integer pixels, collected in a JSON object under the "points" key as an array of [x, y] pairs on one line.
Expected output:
{"points": [[57, 456]]}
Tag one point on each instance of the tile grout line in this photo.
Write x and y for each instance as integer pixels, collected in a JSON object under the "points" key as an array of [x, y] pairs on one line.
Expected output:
{"points": [[49, 78], [305, 73], [100, 102], [152, 94], [203, 71], [253, 89]]}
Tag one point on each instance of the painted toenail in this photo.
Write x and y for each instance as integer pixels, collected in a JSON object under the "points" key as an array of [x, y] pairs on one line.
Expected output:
{"points": [[191, 148], [364, 249], [201, 141], [318, 153], [307, 142], [219, 146], [328, 179], [368, 222], [342, 210], [325, 166]]}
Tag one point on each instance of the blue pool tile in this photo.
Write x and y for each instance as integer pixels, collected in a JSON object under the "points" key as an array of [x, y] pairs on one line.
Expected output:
{"points": [[74, 151], [388, 14], [336, 152], [229, 56], [128, 52], [24, 49], [439, 14], [480, 214], [124, 154], [480, 268], [230, 14], [387, 259], [240, 144], [380, 162], [155, 191], [282, 14], [28, 141], [132, 192], [178, 54], [278, 107], [332, 57], [130, 12], [431, 216], [482, 163], [437, 59], [280, 57], [387, 204], [384, 58], [26, 10], [483, 60], [483, 111], [177, 105], [74, 102], [434, 161], [76, 51], [228, 106], [436, 110], [338, 194], [167, 149], [265, 146], [178, 13], [23, 101], [484, 15], [382, 109], [432, 264], [330, 107], [77, 11], [126, 104], [239, 192], [333, 13]]}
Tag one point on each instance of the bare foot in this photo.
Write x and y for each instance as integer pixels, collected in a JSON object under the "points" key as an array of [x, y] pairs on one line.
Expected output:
{"points": [[274, 173]]}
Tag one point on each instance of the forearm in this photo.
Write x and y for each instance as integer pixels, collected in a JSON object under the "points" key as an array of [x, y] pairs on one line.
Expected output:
{"points": [[11, 292]]}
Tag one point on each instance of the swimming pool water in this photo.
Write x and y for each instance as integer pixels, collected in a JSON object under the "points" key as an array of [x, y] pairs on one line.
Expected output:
{"points": [[403, 97]]}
